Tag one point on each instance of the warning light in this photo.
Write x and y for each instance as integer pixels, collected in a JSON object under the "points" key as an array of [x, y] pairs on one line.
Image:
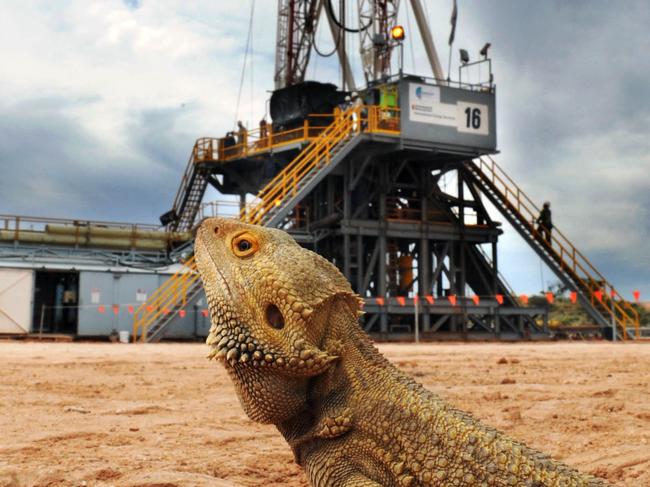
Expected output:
{"points": [[397, 33]]}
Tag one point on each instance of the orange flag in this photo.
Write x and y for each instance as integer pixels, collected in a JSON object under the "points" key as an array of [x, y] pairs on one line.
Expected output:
{"points": [[573, 297], [380, 301], [599, 295], [499, 298], [101, 308], [637, 295], [181, 313], [476, 299], [401, 300], [205, 312], [524, 298], [430, 299], [130, 309], [452, 299], [550, 298], [116, 309]]}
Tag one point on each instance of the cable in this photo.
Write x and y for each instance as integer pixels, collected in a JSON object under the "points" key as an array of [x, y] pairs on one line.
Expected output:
{"points": [[243, 70], [336, 46], [252, 67], [330, 11]]}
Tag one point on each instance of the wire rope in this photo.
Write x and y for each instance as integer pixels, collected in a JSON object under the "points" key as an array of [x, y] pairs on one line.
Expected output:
{"points": [[330, 10], [243, 70], [336, 44]]}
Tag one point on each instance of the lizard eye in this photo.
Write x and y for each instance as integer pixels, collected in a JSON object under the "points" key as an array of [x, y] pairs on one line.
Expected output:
{"points": [[244, 245]]}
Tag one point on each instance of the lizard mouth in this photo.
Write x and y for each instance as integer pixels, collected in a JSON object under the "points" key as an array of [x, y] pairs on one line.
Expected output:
{"points": [[233, 346], [236, 348]]}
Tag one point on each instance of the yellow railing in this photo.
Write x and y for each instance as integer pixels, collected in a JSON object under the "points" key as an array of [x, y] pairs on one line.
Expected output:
{"points": [[375, 119], [359, 118], [571, 259], [257, 141], [369, 119], [318, 152], [164, 299]]}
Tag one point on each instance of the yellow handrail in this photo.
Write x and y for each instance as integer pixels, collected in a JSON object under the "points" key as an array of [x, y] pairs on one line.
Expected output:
{"points": [[164, 299], [318, 152], [570, 257], [376, 120], [370, 119]]}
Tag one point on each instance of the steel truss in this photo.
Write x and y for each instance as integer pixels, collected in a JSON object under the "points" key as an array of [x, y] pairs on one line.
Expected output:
{"points": [[396, 230], [297, 23]]}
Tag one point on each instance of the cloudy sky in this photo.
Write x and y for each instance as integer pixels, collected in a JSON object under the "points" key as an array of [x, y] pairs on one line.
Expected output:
{"points": [[101, 101]]}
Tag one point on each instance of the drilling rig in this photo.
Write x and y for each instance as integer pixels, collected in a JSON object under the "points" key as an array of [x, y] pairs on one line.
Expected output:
{"points": [[388, 179]]}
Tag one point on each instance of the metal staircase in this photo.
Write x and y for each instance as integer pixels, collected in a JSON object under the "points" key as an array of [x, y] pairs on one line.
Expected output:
{"points": [[273, 204], [300, 176], [193, 184], [596, 295], [151, 319]]}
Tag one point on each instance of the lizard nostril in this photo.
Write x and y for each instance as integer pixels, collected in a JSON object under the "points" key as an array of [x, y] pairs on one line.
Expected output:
{"points": [[216, 229], [274, 317]]}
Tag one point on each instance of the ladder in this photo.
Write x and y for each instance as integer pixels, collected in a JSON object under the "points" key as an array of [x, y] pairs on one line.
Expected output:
{"points": [[597, 296], [193, 184], [273, 203]]}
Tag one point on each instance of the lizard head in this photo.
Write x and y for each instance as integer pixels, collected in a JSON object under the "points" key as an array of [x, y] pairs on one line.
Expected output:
{"points": [[264, 292]]}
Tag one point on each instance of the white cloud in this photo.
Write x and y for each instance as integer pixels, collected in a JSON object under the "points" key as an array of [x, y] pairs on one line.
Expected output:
{"points": [[131, 86]]}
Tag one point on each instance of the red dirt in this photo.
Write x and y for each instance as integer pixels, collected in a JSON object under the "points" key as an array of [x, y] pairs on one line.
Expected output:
{"points": [[162, 415]]}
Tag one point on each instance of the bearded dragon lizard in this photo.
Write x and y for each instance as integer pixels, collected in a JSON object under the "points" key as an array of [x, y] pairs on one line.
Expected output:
{"points": [[285, 325]]}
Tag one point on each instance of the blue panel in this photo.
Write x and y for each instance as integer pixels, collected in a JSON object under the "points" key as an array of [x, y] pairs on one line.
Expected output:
{"points": [[122, 288]]}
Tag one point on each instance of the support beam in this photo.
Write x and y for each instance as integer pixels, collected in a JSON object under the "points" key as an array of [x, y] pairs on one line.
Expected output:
{"points": [[427, 40]]}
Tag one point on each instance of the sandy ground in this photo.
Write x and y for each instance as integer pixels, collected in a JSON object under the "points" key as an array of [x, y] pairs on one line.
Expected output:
{"points": [[162, 415]]}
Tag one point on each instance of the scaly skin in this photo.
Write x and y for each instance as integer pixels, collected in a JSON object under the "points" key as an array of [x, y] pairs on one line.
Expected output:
{"points": [[285, 324]]}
